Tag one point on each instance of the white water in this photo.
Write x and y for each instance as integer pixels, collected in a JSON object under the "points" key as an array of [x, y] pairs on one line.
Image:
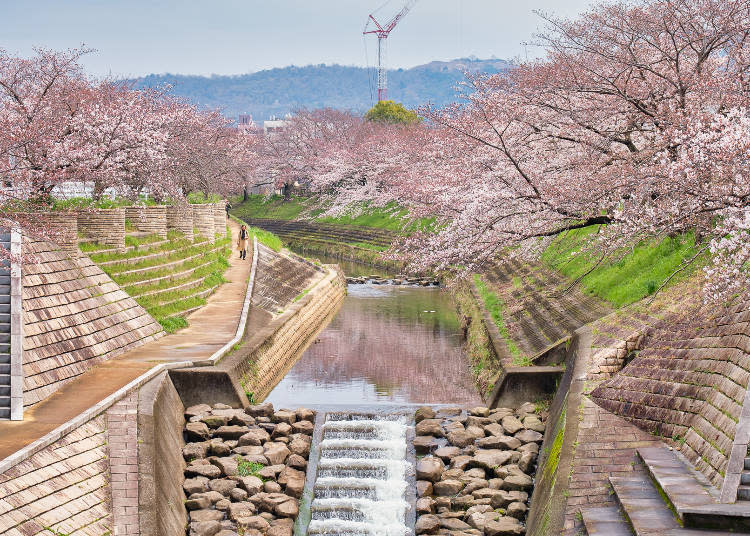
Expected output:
{"points": [[361, 480]]}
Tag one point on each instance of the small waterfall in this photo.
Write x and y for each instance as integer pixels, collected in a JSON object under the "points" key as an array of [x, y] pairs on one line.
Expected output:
{"points": [[362, 477]]}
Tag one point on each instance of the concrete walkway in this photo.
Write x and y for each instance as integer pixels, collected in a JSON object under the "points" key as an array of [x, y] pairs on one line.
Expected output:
{"points": [[211, 327]]}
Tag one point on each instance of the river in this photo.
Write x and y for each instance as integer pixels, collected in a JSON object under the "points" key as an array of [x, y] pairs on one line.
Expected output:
{"points": [[387, 344]]}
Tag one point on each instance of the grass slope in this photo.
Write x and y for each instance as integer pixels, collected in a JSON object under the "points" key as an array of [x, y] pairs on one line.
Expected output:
{"points": [[631, 276]]}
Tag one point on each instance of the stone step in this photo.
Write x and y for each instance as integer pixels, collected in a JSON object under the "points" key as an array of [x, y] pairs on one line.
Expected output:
{"points": [[5, 308], [4, 338], [605, 521], [4, 387], [4, 413], [4, 358], [4, 279], [745, 479], [5, 289], [5, 348], [747, 463], [5, 368], [743, 492], [5, 299], [5, 401], [690, 495], [4, 327]]}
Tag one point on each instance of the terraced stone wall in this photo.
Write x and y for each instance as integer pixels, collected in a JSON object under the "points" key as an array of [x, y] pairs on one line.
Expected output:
{"points": [[220, 217], [106, 226], [151, 219], [180, 218], [65, 487], [74, 317], [64, 226], [688, 383], [203, 220]]}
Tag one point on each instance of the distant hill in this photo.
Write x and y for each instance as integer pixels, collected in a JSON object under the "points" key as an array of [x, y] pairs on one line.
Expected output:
{"points": [[280, 91]]}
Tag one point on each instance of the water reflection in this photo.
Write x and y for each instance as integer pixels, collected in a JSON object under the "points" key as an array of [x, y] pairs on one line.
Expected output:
{"points": [[386, 344]]}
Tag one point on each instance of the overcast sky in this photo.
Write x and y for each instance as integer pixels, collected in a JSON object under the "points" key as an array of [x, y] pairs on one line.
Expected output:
{"points": [[137, 37]]}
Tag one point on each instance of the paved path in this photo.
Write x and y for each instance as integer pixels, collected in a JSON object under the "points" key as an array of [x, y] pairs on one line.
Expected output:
{"points": [[211, 327]]}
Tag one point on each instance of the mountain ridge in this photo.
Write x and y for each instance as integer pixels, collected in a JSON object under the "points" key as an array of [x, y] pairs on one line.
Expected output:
{"points": [[281, 90]]}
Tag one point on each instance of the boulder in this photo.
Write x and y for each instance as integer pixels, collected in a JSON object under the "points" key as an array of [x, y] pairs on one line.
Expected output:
{"points": [[425, 444], [197, 431], [526, 461], [231, 431], [532, 422], [238, 494], [197, 411], [424, 488], [215, 421], [449, 411], [454, 524], [529, 436], [504, 526], [304, 414], [427, 524], [217, 447], [193, 451], [488, 459], [447, 453], [518, 482], [296, 461], [272, 487], [425, 412], [287, 509], [251, 484], [460, 438], [222, 485], [460, 462], [276, 453], [303, 427], [475, 431], [280, 530], [260, 410], [284, 415], [512, 424], [239, 510], [206, 470], [199, 503], [480, 412], [499, 442], [430, 468], [254, 523], [425, 505], [447, 487], [228, 465], [223, 504], [199, 516], [516, 509], [205, 528], [430, 427], [281, 430], [300, 446], [293, 481], [254, 437], [494, 429]]}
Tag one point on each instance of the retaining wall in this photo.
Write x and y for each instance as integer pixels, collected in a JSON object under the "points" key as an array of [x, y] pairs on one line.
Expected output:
{"points": [[180, 218], [203, 220], [74, 317], [106, 226], [64, 227], [220, 218], [152, 219]]}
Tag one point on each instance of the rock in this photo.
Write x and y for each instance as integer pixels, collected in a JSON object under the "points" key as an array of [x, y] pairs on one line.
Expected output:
{"points": [[238, 494], [231, 431], [207, 470], [430, 468], [270, 471], [223, 504], [296, 461], [460, 462], [197, 411], [529, 447], [215, 421], [526, 407], [480, 412], [205, 515], [494, 429], [205, 528], [516, 509], [475, 431], [442, 502], [529, 436], [284, 415], [479, 422], [447, 453], [499, 442], [276, 453], [248, 450], [217, 447], [425, 505], [199, 503], [193, 451], [504, 498], [448, 411], [476, 520], [300, 447], [454, 524], [474, 485], [272, 487], [526, 461], [260, 410], [424, 444], [488, 459], [227, 532], [293, 481], [532, 422], [504, 526], [447, 487], [424, 488], [280, 530], [228, 465], [304, 414], [425, 412], [281, 430], [430, 427], [254, 437], [241, 509], [213, 496], [197, 431], [256, 458], [495, 483], [222, 485], [427, 524], [303, 427], [268, 426], [518, 482], [254, 523], [462, 502], [511, 424], [287, 509], [460, 438], [251, 484]]}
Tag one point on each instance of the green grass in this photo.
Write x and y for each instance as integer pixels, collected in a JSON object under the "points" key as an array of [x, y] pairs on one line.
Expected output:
{"points": [[173, 323], [266, 238], [246, 468], [136, 241], [171, 256], [494, 305], [218, 265], [631, 275], [133, 253], [200, 198], [81, 203], [301, 295]]}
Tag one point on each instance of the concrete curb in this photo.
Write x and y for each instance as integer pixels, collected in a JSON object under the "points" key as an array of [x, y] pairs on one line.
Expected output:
{"points": [[95, 410]]}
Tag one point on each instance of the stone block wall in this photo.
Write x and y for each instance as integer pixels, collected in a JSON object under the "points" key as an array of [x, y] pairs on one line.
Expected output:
{"points": [[64, 228], [220, 217], [282, 342], [180, 218], [204, 221], [152, 219], [65, 486], [688, 383], [106, 226], [74, 317]]}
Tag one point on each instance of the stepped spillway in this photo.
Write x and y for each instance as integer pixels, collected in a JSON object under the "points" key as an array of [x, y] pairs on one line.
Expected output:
{"points": [[362, 475]]}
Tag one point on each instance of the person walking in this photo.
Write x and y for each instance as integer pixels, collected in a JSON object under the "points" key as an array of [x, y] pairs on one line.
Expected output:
{"points": [[227, 207], [242, 240]]}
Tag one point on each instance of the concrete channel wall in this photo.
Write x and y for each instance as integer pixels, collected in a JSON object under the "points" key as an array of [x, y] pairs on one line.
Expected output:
{"points": [[117, 468]]}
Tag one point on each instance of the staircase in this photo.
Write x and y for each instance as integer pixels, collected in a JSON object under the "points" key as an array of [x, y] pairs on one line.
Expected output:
{"points": [[670, 500], [5, 330], [743, 491]]}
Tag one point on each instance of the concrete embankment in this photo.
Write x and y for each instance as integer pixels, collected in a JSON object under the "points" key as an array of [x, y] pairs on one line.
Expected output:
{"points": [[114, 469]]}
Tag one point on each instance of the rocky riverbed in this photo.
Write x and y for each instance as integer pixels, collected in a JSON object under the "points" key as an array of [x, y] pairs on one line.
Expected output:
{"points": [[475, 475], [396, 280], [245, 469]]}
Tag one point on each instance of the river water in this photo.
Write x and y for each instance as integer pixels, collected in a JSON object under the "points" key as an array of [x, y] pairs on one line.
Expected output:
{"points": [[387, 344]]}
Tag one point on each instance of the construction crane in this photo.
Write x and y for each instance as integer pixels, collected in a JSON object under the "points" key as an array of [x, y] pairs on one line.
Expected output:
{"points": [[382, 31]]}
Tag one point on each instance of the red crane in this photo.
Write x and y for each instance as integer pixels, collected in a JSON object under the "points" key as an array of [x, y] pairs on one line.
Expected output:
{"points": [[382, 31]]}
